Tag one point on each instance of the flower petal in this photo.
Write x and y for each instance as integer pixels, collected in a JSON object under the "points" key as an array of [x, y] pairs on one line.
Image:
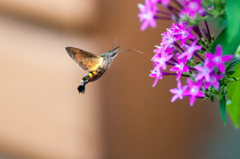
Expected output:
{"points": [[174, 98], [221, 67], [190, 83], [216, 85], [210, 56], [207, 85], [144, 25], [174, 69], [200, 94], [227, 58], [179, 85], [155, 82], [199, 84], [192, 100], [174, 91], [178, 75], [219, 50]]}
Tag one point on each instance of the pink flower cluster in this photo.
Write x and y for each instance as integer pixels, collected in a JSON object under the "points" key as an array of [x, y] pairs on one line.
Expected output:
{"points": [[149, 12], [179, 45], [178, 56]]}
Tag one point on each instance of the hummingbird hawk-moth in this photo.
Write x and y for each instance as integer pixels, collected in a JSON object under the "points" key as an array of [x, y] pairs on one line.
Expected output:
{"points": [[95, 65]]}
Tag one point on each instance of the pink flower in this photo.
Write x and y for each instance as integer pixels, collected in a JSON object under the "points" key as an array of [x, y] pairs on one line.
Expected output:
{"points": [[157, 75], [190, 50], [194, 90], [160, 60], [158, 49], [148, 13], [218, 59], [179, 91], [214, 81], [165, 2], [204, 71], [180, 67], [184, 34], [192, 7], [167, 39]]}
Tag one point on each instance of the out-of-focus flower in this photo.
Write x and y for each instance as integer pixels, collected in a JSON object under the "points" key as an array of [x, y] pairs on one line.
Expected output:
{"points": [[214, 81], [184, 34], [190, 50], [164, 2], [148, 13], [157, 75], [194, 90], [168, 39], [180, 67], [204, 71], [179, 91], [218, 59], [191, 8], [161, 60]]}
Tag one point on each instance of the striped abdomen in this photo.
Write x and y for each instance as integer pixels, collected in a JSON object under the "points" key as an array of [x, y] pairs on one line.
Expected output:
{"points": [[92, 76]]}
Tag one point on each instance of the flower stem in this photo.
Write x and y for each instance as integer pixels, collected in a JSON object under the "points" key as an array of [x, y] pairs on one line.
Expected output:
{"points": [[176, 44], [169, 63], [209, 35], [162, 18], [167, 74], [193, 69], [196, 54], [197, 31], [173, 9], [178, 4], [165, 13]]}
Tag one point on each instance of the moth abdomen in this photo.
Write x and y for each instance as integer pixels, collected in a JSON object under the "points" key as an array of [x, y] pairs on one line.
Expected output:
{"points": [[81, 89]]}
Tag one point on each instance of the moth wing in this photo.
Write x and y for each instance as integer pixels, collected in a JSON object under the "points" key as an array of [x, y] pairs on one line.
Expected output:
{"points": [[86, 60]]}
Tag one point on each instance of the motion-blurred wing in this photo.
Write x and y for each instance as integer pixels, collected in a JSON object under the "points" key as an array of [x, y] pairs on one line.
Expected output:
{"points": [[86, 60]]}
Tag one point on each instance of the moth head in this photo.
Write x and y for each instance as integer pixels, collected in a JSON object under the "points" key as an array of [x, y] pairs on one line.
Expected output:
{"points": [[111, 53]]}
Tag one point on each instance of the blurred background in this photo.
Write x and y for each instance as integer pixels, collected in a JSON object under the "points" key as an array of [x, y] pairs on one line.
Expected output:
{"points": [[121, 116]]}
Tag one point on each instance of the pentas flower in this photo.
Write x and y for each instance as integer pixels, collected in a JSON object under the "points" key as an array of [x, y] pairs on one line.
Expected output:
{"points": [[161, 60], [180, 67], [179, 91], [157, 75], [184, 34], [214, 81], [157, 50], [190, 50], [168, 39], [218, 59], [204, 71], [192, 7], [148, 13], [164, 2], [194, 90]]}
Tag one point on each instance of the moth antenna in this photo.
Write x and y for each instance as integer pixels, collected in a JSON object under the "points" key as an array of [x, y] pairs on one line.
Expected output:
{"points": [[115, 48], [114, 44]]}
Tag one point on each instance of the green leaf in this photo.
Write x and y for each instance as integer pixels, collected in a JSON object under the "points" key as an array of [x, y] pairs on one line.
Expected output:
{"points": [[222, 105], [233, 105], [233, 22], [230, 72], [212, 98], [229, 44], [231, 65], [229, 38]]}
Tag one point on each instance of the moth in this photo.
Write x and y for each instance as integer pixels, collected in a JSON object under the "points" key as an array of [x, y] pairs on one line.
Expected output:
{"points": [[95, 65]]}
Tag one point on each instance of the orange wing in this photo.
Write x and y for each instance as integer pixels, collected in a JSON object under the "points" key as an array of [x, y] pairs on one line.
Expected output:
{"points": [[86, 60]]}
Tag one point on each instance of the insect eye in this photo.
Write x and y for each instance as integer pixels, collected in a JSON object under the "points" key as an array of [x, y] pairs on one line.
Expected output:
{"points": [[114, 54]]}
